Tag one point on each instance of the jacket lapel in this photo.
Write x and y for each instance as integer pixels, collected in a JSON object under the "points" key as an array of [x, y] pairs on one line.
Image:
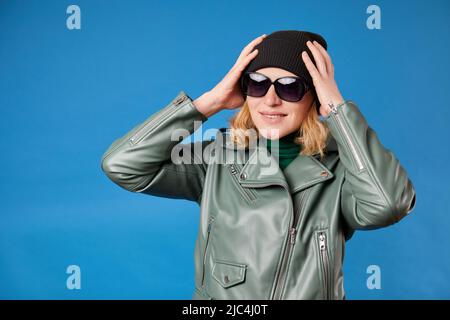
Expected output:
{"points": [[262, 169], [306, 171]]}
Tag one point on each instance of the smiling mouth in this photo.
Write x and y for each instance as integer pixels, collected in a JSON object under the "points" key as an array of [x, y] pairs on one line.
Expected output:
{"points": [[276, 115]]}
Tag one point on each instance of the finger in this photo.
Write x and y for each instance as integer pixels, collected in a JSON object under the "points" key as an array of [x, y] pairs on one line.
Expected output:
{"points": [[241, 66], [317, 58], [326, 56], [310, 65], [249, 47], [254, 42], [236, 72]]}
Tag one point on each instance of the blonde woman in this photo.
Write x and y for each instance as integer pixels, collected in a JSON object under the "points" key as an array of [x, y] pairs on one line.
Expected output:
{"points": [[278, 204]]}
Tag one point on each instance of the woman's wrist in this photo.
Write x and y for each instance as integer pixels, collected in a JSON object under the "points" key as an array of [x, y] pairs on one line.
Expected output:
{"points": [[206, 105]]}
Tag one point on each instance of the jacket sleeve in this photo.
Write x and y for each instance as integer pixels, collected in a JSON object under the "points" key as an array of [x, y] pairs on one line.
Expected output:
{"points": [[376, 191], [141, 160]]}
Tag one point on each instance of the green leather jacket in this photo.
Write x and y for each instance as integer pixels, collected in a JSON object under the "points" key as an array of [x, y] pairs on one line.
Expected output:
{"points": [[266, 233]]}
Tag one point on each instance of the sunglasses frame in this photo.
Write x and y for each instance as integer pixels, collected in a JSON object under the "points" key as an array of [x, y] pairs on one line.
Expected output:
{"points": [[273, 83]]}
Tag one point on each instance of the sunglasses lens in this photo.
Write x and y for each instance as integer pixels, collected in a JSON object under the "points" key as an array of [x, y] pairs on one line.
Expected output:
{"points": [[290, 89], [255, 85]]}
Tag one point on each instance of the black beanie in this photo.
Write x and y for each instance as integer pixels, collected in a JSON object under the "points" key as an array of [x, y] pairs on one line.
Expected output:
{"points": [[282, 49]]}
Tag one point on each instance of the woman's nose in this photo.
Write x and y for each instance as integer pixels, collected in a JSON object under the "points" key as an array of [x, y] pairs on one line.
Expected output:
{"points": [[271, 98]]}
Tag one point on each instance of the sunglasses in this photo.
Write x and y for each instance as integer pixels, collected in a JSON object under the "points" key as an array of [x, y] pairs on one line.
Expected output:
{"points": [[291, 89]]}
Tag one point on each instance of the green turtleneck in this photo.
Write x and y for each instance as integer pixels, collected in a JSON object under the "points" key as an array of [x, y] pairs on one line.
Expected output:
{"points": [[288, 149]]}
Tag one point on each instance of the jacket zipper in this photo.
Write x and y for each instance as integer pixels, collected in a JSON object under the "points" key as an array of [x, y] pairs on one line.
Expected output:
{"points": [[247, 193], [352, 145], [324, 260], [291, 234], [143, 132], [282, 273], [208, 232]]}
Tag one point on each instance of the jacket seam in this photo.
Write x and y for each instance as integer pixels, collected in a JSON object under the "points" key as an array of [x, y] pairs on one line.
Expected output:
{"points": [[172, 170], [171, 109], [141, 126]]}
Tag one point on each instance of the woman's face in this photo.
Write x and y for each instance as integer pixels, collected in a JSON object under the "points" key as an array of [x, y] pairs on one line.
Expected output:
{"points": [[275, 118]]}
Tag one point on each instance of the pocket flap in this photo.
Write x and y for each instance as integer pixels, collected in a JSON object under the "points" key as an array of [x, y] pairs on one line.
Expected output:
{"points": [[228, 273]]}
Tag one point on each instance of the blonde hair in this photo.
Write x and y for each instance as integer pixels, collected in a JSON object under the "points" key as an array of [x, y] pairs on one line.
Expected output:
{"points": [[311, 135]]}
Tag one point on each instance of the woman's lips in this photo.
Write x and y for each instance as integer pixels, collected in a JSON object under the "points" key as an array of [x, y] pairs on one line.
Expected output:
{"points": [[273, 117]]}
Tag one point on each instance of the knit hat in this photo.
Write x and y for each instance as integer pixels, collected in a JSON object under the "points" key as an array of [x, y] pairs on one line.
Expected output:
{"points": [[282, 49]]}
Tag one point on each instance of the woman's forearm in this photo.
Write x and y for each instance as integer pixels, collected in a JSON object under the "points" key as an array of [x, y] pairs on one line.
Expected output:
{"points": [[206, 105], [133, 161]]}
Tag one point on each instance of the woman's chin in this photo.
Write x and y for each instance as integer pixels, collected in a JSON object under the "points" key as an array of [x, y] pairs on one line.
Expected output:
{"points": [[271, 132]]}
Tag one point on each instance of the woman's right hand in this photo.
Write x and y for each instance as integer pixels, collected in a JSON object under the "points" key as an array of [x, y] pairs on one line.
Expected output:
{"points": [[227, 94]]}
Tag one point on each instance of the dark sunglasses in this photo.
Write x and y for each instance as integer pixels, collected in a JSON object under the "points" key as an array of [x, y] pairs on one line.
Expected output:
{"points": [[289, 88]]}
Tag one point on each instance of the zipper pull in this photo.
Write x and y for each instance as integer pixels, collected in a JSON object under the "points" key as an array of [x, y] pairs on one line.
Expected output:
{"points": [[292, 232], [180, 100], [233, 169], [210, 221], [322, 241]]}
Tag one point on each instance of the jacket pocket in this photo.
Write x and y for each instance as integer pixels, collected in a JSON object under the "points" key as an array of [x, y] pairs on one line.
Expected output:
{"points": [[208, 235], [324, 262], [228, 274], [249, 194]]}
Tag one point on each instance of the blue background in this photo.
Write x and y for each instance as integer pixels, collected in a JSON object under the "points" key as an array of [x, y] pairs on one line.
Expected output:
{"points": [[65, 95]]}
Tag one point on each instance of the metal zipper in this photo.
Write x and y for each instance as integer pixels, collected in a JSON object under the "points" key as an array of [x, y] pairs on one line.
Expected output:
{"points": [[322, 237], [353, 149], [291, 233], [282, 274], [143, 132], [247, 193], [120, 143], [208, 232]]}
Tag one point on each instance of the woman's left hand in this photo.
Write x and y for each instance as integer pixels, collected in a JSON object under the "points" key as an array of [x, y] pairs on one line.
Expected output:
{"points": [[322, 76]]}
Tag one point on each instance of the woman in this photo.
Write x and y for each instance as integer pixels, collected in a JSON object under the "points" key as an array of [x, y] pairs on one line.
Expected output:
{"points": [[269, 231]]}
